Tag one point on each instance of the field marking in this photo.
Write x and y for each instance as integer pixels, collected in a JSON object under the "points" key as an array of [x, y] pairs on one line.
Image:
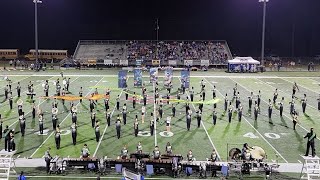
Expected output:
{"points": [[60, 124], [105, 129], [204, 127], [94, 177], [284, 112], [17, 81], [38, 103], [253, 126], [301, 85]]}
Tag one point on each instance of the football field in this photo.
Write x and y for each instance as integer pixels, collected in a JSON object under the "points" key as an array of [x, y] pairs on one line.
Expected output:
{"points": [[276, 136]]}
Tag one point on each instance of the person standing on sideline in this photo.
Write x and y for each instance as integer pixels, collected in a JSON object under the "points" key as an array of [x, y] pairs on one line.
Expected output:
{"points": [[311, 137], [47, 158]]}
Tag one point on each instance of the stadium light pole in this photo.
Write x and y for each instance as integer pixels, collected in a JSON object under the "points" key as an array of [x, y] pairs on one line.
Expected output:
{"points": [[263, 29], [36, 2]]}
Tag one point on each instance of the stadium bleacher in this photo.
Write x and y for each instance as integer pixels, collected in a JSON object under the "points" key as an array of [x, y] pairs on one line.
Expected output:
{"points": [[217, 52]]}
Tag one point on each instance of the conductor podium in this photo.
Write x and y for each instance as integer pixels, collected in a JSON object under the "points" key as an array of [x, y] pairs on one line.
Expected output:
{"points": [[311, 168]]}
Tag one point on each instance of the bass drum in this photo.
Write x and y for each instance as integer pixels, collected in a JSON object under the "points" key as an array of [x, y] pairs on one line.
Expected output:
{"points": [[234, 154], [257, 153]]}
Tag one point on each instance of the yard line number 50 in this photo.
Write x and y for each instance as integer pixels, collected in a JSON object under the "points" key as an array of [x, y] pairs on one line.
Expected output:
{"points": [[268, 135]]}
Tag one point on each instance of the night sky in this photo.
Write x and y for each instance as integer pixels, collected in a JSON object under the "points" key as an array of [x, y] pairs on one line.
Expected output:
{"points": [[63, 22]]}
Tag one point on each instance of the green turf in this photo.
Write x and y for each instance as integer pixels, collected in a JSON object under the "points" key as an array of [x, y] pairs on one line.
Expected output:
{"points": [[224, 135]]}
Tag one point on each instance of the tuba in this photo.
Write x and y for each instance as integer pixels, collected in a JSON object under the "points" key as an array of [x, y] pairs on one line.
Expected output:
{"points": [[55, 111], [20, 102]]}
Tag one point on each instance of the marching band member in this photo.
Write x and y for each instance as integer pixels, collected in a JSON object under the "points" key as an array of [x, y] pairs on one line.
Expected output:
{"points": [[18, 89], [126, 93], [160, 111], [226, 102], [41, 123], [214, 158], [57, 137], [46, 88], [74, 133], [191, 92], [63, 93], [124, 152], [85, 153], [96, 93], [199, 117], [230, 110], [151, 125], [295, 119], [292, 109], [173, 110], [97, 130], [47, 158], [214, 116], [54, 118], [250, 100], [145, 97], [108, 117], [214, 92], [92, 104], [189, 119], [19, 102], [256, 110], [259, 99], [143, 112], [168, 124], [304, 103], [281, 106], [319, 102], [156, 153], [93, 118], [168, 148], [6, 91], [81, 94], [10, 100], [275, 96], [118, 126], [237, 100], [33, 110], [294, 89], [124, 113], [136, 126], [269, 109], [246, 155], [106, 104], [22, 120], [139, 148], [235, 90], [55, 103], [68, 84], [134, 98], [240, 109], [118, 102], [190, 157]]}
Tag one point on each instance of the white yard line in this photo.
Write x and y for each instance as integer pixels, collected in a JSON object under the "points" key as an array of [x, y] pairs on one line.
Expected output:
{"points": [[285, 113], [60, 123], [300, 85], [39, 102], [255, 128], [204, 127], [105, 129]]}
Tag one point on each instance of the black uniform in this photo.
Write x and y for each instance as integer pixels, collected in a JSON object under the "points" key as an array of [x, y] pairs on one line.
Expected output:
{"points": [[47, 158], [269, 110], [151, 127], [124, 114], [230, 113], [275, 97], [54, 121], [41, 125], [22, 120], [81, 94], [74, 117], [134, 101], [214, 117], [199, 118], [0, 128], [97, 132], [74, 134], [160, 111], [10, 101], [304, 104], [92, 104], [108, 117], [57, 139], [240, 113], [33, 112], [250, 102], [46, 89], [173, 111], [18, 89], [311, 137], [118, 128], [256, 112], [118, 103], [145, 99], [93, 119], [191, 94], [6, 133], [136, 128], [188, 121], [281, 108]]}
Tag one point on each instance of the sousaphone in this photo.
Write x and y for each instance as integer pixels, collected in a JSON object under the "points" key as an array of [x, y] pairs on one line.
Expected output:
{"points": [[20, 102], [55, 111]]}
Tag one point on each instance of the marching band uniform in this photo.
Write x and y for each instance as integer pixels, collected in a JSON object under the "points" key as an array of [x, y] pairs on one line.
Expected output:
{"points": [[203, 95], [6, 91], [190, 157], [214, 92], [319, 102], [124, 153], [143, 112], [92, 104], [226, 102], [63, 93], [134, 100], [281, 106], [22, 120], [230, 112], [58, 88], [156, 153], [74, 117], [259, 99], [214, 117], [139, 148], [57, 137], [55, 103], [108, 117], [85, 153], [33, 111], [12, 144], [46, 89], [178, 96], [93, 119], [168, 148], [1, 124], [19, 109], [97, 131], [214, 158], [74, 133], [275, 96], [199, 117], [295, 120], [240, 108], [41, 124], [269, 109], [145, 99], [47, 158], [237, 100], [80, 94], [173, 109], [126, 93], [191, 92], [18, 89], [292, 109], [256, 111], [124, 114], [151, 125], [118, 103], [189, 119], [136, 127], [311, 137], [187, 106], [6, 133], [304, 103], [250, 100], [294, 87], [10, 100], [118, 127], [68, 84], [235, 90], [160, 111]]}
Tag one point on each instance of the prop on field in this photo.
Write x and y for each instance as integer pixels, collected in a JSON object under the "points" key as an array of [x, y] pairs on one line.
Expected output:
{"points": [[185, 78], [168, 74], [255, 153], [75, 98], [137, 77], [153, 75], [212, 101], [122, 79]]}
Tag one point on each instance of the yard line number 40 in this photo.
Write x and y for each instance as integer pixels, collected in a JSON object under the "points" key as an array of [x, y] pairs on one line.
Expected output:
{"points": [[268, 135]]}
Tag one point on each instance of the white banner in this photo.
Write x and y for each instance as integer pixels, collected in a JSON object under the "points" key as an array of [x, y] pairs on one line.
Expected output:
{"points": [[172, 62], [124, 62], [107, 61], [188, 62], [204, 62]]}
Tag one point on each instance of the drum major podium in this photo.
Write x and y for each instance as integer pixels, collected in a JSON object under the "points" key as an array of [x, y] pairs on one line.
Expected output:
{"points": [[311, 168]]}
